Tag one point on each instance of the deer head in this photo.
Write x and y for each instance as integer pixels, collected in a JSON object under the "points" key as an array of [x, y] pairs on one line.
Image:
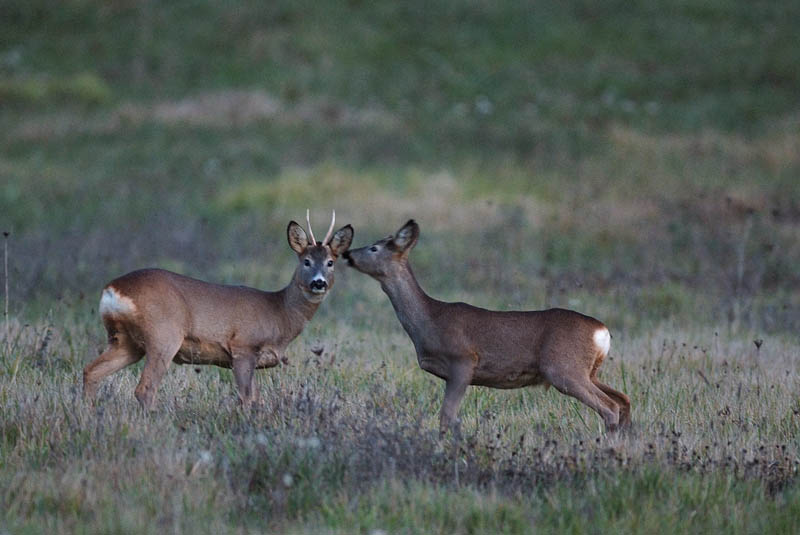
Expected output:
{"points": [[314, 275], [379, 259]]}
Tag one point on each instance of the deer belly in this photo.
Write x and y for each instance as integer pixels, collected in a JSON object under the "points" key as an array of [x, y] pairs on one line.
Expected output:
{"points": [[509, 380], [195, 351], [506, 373]]}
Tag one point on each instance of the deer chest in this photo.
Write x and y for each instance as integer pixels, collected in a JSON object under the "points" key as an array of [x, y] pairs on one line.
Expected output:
{"points": [[434, 363]]}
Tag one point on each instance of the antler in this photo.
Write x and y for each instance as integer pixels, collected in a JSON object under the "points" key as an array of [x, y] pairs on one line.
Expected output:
{"points": [[310, 232], [330, 230]]}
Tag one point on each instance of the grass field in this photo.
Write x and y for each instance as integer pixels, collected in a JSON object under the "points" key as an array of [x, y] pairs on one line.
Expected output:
{"points": [[638, 162]]}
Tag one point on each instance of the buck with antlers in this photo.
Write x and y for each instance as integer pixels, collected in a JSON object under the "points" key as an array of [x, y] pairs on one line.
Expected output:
{"points": [[172, 318], [466, 345]]}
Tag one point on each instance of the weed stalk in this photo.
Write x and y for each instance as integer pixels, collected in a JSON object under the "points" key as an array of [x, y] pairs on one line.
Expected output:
{"points": [[5, 294]]}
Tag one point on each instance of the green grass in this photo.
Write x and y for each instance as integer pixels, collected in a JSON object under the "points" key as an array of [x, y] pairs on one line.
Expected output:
{"points": [[634, 161]]}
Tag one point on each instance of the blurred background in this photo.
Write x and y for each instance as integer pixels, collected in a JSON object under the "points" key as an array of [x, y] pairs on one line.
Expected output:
{"points": [[637, 161]]}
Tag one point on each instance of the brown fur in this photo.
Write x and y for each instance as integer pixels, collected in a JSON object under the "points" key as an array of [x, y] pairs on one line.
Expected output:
{"points": [[467, 345], [173, 318]]}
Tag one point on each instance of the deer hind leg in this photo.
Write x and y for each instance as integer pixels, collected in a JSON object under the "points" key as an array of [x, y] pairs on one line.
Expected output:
{"points": [[119, 354], [622, 400], [585, 391], [161, 349]]}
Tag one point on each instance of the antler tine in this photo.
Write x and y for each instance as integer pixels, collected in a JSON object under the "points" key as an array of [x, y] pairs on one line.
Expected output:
{"points": [[310, 232], [330, 230]]}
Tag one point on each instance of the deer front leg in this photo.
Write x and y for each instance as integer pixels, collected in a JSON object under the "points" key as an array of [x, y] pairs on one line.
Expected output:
{"points": [[243, 371], [255, 394], [455, 388]]}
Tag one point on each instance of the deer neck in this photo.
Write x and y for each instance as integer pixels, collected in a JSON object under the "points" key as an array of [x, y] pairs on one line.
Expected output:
{"points": [[297, 308], [410, 302]]}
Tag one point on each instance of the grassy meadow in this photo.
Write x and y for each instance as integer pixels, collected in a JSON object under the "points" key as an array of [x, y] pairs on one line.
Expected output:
{"points": [[638, 162]]}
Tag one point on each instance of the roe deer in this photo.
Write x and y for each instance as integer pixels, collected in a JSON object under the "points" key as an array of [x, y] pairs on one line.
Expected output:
{"points": [[466, 345], [174, 318]]}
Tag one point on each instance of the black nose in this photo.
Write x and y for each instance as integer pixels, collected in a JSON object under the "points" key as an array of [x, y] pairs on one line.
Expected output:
{"points": [[318, 284]]}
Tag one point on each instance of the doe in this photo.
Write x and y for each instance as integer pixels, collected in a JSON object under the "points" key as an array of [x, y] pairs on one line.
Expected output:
{"points": [[466, 345]]}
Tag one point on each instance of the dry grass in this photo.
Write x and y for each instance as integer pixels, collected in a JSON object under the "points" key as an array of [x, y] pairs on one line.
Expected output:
{"points": [[777, 151], [335, 429], [230, 109]]}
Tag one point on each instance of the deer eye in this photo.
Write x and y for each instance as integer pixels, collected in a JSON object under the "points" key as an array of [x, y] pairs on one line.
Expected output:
{"points": [[373, 249], [306, 262], [330, 263]]}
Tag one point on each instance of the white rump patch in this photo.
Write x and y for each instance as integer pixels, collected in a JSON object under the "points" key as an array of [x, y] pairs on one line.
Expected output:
{"points": [[113, 303], [602, 339]]}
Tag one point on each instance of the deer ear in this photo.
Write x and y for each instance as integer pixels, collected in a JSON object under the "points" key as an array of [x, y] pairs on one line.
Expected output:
{"points": [[298, 240], [406, 237], [341, 240]]}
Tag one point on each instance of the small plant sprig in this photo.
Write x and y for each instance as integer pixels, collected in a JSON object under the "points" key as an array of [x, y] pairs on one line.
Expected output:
{"points": [[6, 234]]}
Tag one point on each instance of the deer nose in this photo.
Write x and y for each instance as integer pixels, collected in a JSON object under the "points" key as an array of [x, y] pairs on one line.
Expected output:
{"points": [[350, 261], [318, 284]]}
